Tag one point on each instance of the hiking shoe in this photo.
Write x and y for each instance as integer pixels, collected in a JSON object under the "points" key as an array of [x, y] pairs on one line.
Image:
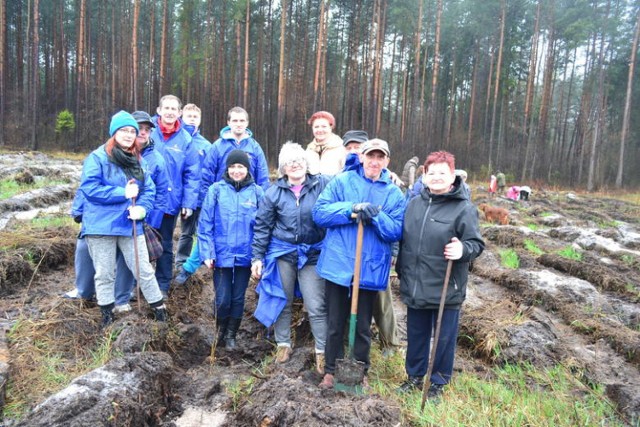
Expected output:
{"points": [[411, 384], [327, 382], [182, 277], [435, 390], [124, 308], [283, 354], [320, 363]]}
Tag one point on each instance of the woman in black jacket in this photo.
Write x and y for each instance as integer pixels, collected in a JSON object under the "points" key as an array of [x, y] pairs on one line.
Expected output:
{"points": [[440, 224]]}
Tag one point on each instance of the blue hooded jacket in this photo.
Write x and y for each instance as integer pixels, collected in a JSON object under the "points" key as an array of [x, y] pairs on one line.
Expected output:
{"points": [[225, 229], [104, 211], [215, 166], [160, 177], [202, 146], [183, 168], [333, 211]]}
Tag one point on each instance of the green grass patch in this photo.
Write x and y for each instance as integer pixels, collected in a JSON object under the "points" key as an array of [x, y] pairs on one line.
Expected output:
{"points": [[53, 221], [531, 246], [509, 259], [533, 226], [516, 395], [9, 187], [570, 252], [546, 214]]}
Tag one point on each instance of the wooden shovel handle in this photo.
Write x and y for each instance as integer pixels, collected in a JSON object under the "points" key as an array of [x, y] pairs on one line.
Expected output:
{"points": [[357, 268]]}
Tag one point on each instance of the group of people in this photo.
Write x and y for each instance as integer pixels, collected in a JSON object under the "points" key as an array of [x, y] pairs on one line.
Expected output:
{"points": [[497, 185], [295, 236]]}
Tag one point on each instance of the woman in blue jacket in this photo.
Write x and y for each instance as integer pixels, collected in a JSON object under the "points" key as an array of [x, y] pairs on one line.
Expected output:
{"points": [[225, 231], [286, 246], [113, 176]]}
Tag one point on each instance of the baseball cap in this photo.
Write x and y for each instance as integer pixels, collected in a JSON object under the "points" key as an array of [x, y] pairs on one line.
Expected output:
{"points": [[376, 144], [359, 136], [143, 117]]}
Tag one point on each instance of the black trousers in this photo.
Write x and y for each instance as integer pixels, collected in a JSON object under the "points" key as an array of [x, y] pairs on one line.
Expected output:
{"points": [[338, 299]]}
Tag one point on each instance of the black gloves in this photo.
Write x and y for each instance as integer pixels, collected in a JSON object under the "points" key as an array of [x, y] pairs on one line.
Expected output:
{"points": [[77, 219], [366, 211]]}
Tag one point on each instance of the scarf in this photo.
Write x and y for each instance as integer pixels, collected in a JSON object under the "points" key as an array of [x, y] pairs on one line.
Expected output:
{"points": [[128, 162]]}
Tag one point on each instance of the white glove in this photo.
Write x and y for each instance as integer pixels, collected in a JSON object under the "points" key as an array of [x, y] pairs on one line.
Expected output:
{"points": [[137, 212], [131, 190], [187, 212], [453, 250], [256, 268]]}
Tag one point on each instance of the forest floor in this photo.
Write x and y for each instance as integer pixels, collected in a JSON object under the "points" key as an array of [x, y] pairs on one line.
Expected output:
{"points": [[574, 300]]}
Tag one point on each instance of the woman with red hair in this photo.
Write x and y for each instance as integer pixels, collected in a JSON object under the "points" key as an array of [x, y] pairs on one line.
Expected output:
{"points": [[114, 176], [440, 226], [326, 153]]}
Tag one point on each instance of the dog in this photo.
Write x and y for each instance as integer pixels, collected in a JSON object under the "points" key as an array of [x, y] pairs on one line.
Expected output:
{"points": [[494, 214]]}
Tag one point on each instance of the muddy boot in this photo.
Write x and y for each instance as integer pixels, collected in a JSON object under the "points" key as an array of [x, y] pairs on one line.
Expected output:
{"points": [[222, 324], [232, 330], [320, 363], [107, 315], [160, 313]]}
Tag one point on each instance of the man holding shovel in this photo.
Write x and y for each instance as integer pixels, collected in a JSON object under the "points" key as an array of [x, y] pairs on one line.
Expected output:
{"points": [[440, 237], [367, 192]]}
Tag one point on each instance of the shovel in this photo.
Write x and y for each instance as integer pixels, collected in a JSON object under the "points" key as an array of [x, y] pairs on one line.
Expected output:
{"points": [[350, 372], [432, 356], [137, 259]]}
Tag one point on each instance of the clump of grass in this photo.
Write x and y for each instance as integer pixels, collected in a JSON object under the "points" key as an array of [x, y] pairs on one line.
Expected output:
{"points": [[509, 259], [9, 187], [533, 226], [516, 395], [570, 252], [531, 246], [546, 214], [240, 390]]}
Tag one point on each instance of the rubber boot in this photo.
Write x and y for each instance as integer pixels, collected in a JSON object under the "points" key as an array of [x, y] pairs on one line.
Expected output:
{"points": [[232, 330], [160, 313], [107, 315], [222, 330]]}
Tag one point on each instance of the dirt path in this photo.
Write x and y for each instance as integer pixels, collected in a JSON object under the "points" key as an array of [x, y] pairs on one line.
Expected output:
{"points": [[582, 313]]}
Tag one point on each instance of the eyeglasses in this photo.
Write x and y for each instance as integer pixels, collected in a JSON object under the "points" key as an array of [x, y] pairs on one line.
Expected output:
{"points": [[127, 131], [298, 162]]}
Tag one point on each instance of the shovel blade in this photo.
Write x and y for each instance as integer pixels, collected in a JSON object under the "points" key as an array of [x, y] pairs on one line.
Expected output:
{"points": [[349, 372]]}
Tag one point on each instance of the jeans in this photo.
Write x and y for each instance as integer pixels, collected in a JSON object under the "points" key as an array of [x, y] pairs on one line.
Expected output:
{"points": [[164, 265], [85, 274], [188, 228], [312, 289], [230, 285], [421, 326], [103, 253], [338, 313]]}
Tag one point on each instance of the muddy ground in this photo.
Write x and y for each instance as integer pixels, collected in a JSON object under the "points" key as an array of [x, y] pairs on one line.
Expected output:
{"points": [[582, 313]]}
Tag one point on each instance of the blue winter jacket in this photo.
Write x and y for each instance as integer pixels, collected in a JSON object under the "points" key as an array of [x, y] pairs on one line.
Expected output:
{"points": [[271, 296], [159, 176], [105, 207], [225, 229], [183, 168], [202, 145], [333, 211], [215, 166], [282, 216]]}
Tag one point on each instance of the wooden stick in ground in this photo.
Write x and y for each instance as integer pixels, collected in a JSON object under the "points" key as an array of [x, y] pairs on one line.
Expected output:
{"points": [[137, 258], [432, 356]]}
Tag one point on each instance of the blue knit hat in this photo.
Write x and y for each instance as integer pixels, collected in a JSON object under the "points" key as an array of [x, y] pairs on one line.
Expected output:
{"points": [[120, 120]]}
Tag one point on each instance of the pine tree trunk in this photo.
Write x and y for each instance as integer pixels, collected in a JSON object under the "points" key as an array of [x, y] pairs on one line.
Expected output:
{"points": [[627, 102]]}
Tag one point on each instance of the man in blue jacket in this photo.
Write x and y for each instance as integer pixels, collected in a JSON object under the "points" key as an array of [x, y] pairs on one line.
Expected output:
{"points": [[235, 135], [183, 168], [368, 192], [191, 118]]}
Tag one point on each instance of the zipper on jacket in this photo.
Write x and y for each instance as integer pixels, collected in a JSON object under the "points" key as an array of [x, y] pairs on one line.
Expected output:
{"points": [[424, 223]]}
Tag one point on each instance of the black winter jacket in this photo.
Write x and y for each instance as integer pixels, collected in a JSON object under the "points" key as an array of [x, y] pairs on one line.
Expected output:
{"points": [[430, 222], [283, 217]]}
